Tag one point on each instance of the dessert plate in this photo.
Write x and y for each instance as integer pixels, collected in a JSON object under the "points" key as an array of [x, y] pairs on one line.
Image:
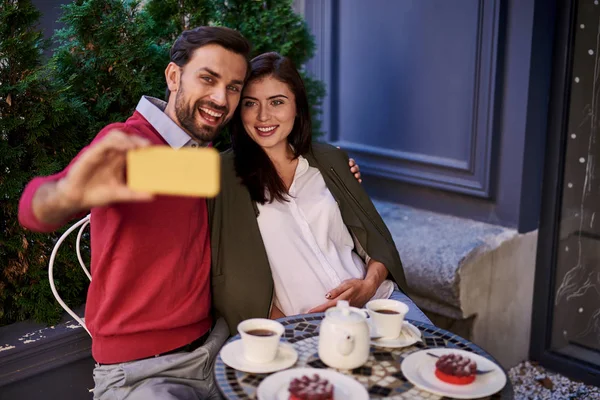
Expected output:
{"points": [[419, 369], [275, 387]]}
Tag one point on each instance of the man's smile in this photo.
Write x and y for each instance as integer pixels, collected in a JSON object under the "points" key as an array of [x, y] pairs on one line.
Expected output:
{"points": [[212, 117]]}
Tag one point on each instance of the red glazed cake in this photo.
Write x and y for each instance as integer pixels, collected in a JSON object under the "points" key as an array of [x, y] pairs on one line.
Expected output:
{"points": [[314, 388], [455, 369]]}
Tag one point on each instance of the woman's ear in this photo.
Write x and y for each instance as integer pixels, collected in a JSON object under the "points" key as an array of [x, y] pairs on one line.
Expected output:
{"points": [[173, 76]]}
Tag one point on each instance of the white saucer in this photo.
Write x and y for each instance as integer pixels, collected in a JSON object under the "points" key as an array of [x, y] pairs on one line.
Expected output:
{"points": [[410, 335], [233, 356], [275, 387], [419, 369]]}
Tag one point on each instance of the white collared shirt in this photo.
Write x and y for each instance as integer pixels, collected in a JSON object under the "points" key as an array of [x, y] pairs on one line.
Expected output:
{"points": [[153, 110], [310, 249]]}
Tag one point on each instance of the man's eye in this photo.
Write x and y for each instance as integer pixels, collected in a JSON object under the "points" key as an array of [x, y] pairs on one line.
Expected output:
{"points": [[234, 89], [207, 79]]}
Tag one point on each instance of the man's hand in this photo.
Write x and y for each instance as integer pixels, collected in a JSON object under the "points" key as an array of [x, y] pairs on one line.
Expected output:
{"points": [[356, 291], [355, 169], [95, 179]]}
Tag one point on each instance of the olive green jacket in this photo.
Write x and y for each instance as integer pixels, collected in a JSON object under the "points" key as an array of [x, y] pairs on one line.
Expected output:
{"points": [[242, 285]]}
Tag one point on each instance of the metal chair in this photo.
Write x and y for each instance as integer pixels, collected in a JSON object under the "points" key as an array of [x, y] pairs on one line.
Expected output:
{"points": [[83, 223]]}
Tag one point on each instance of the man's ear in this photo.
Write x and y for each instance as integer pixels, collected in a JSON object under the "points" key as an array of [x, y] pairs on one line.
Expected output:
{"points": [[173, 76]]}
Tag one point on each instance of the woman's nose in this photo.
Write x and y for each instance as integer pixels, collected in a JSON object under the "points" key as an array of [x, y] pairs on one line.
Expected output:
{"points": [[263, 115]]}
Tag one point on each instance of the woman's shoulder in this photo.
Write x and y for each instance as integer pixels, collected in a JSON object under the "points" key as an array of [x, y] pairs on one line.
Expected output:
{"points": [[327, 152], [228, 174], [227, 158], [320, 148], [227, 154]]}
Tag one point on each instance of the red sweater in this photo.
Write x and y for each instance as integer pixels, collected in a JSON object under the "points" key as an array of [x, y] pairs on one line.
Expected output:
{"points": [[150, 289]]}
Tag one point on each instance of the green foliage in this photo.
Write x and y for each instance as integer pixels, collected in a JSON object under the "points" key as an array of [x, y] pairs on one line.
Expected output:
{"points": [[171, 17], [108, 58], [109, 54], [38, 130]]}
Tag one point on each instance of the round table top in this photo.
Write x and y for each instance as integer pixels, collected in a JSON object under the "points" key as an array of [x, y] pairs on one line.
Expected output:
{"points": [[381, 375]]}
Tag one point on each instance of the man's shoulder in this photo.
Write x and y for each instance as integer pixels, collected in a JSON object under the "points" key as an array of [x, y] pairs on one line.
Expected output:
{"points": [[135, 125]]}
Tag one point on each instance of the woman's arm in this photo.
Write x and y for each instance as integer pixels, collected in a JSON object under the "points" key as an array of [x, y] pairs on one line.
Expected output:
{"points": [[376, 274], [276, 313]]}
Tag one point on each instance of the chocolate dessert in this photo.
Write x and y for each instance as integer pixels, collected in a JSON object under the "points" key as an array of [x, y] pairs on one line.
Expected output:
{"points": [[314, 388], [455, 369]]}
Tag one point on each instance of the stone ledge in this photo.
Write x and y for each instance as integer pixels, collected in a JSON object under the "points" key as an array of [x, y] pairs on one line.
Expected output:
{"points": [[472, 278], [433, 248]]}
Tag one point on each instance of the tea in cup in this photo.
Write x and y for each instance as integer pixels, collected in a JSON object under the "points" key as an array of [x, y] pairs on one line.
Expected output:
{"points": [[388, 316], [260, 339]]}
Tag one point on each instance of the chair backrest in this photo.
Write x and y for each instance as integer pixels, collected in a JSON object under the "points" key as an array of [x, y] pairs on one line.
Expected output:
{"points": [[83, 223]]}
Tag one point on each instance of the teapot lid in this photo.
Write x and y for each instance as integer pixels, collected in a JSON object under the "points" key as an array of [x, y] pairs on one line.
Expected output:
{"points": [[345, 314]]}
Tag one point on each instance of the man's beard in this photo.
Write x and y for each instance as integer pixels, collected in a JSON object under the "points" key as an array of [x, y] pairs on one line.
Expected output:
{"points": [[188, 117]]}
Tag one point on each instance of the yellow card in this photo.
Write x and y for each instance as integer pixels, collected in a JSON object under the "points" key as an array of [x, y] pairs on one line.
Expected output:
{"points": [[183, 172]]}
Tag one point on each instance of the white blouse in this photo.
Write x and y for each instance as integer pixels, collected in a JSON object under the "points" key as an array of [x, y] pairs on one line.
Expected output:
{"points": [[309, 248]]}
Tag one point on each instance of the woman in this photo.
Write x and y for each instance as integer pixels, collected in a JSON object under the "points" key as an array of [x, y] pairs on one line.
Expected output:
{"points": [[292, 230]]}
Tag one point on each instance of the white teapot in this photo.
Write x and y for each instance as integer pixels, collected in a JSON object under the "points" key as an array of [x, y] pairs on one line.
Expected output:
{"points": [[344, 338]]}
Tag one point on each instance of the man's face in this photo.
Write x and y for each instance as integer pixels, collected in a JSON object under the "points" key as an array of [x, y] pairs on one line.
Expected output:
{"points": [[206, 91]]}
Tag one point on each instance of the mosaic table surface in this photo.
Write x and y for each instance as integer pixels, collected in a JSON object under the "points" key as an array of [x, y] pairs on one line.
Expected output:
{"points": [[381, 375]]}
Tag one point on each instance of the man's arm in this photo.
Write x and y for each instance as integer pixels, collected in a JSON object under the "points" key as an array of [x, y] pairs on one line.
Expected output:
{"points": [[95, 178]]}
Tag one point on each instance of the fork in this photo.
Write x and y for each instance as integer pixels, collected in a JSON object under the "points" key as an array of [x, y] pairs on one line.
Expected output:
{"points": [[478, 371]]}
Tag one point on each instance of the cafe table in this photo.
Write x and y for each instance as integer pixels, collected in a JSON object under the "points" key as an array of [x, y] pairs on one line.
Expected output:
{"points": [[381, 375]]}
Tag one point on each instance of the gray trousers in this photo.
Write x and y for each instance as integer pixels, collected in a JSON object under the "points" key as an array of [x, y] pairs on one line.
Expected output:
{"points": [[181, 376]]}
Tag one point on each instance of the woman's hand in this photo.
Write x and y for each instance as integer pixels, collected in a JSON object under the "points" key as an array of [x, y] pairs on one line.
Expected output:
{"points": [[356, 291]]}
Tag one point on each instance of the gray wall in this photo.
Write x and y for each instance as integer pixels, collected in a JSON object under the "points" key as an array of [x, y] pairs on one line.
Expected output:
{"points": [[437, 102]]}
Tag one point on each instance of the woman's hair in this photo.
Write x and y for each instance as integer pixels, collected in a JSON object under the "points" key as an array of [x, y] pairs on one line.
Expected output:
{"points": [[252, 164]]}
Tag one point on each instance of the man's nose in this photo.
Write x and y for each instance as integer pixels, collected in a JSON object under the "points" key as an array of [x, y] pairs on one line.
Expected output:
{"points": [[219, 96]]}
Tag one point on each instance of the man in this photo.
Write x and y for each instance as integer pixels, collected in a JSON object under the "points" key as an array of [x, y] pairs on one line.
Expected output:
{"points": [[148, 305]]}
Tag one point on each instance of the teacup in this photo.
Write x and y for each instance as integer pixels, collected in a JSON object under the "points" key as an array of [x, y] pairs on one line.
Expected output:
{"points": [[387, 316], [260, 339]]}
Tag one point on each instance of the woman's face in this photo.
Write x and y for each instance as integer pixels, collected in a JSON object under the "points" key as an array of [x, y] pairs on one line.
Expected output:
{"points": [[268, 112]]}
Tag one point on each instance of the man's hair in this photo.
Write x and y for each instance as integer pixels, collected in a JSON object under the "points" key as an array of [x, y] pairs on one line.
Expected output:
{"points": [[252, 164], [191, 40]]}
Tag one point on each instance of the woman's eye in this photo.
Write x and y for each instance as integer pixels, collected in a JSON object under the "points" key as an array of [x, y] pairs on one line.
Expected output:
{"points": [[249, 103], [207, 79], [277, 102]]}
